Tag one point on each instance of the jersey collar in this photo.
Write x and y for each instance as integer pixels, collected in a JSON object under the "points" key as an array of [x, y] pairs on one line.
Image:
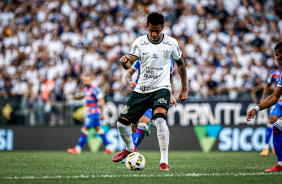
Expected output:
{"points": [[155, 42]]}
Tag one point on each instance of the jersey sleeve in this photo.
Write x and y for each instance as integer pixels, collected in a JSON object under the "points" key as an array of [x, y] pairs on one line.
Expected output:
{"points": [[135, 50], [136, 65], [176, 52], [97, 92], [280, 81], [172, 66], [270, 78]]}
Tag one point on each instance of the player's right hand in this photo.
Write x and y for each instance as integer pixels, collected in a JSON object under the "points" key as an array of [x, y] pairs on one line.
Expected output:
{"points": [[251, 114], [102, 116], [183, 96], [132, 84], [124, 59]]}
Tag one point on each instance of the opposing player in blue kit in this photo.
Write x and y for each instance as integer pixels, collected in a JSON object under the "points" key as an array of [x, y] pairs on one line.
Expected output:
{"points": [[95, 103], [142, 127], [276, 111], [271, 100]]}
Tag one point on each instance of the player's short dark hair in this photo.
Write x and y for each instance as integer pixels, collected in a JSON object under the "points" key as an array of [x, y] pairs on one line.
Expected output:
{"points": [[278, 47], [155, 19]]}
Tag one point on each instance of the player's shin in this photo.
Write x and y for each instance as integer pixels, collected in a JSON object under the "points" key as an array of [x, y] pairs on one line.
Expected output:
{"points": [[268, 132], [163, 136], [82, 140], [139, 134], [125, 134], [277, 140], [103, 135]]}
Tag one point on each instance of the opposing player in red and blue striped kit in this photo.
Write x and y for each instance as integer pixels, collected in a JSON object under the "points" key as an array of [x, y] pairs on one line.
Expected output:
{"points": [[142, 127], [276, 111], [95, 103], [271, 100]]}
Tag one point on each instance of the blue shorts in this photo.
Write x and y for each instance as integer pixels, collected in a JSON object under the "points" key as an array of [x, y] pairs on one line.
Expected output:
{"points": [[92, 120], [276, 111], [148, 113]]}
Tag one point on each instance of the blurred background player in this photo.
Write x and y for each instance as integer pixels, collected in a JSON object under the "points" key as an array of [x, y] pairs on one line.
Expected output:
{"points": [[276, 111], [142, 128], [271, 100], [95, 103]]}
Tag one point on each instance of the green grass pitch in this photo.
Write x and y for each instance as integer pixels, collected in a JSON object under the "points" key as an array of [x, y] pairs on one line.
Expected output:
{"points": [[185, 167]]}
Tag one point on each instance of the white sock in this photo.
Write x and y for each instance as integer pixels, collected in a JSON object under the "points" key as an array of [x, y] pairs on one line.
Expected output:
{"points": [[163, 137], [78, 149], [266, 146], [280, 163], [125, 133]]}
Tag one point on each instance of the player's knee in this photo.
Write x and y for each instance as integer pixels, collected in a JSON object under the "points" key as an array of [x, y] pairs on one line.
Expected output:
{"points": [[123, 121], [159, 116], [142, 126], [84, 131], [273, 119], [160, 119]]}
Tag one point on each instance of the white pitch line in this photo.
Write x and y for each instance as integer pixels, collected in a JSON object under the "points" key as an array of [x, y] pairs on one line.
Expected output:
{"points": [[142, 175]]}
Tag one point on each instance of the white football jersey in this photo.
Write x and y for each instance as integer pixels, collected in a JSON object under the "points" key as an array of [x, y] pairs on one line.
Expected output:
{"points": [[155, 62]]}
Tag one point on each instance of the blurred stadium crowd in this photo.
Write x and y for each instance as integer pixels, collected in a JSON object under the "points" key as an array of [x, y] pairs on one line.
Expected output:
{"points": [[47, 44]]}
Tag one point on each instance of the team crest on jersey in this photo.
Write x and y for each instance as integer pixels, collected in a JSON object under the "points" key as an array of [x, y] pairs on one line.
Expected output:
{"points": [[125, 109], [162, 100], [166, 54]]}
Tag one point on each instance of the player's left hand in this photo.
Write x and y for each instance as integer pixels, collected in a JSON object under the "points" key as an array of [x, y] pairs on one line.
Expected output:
{"points": [[251, 114], [172, 100], [102, 117], [183, 96]]}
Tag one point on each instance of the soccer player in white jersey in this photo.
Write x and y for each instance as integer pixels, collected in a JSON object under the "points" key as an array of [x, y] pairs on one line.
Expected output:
{"points": [[271, 100], [154, 51]]}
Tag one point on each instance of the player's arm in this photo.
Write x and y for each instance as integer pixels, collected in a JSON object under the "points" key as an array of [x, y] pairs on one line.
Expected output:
{"points": [[78, 96], [127, 61], [271, 100], [102, 105], [128, 77], [182, 72], [265, 91], [172, 99]]}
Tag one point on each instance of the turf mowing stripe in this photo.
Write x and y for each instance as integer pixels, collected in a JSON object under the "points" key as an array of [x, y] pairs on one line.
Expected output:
{"points": [[141, 175]]}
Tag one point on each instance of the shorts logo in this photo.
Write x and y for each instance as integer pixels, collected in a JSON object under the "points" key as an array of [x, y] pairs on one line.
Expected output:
{"points": [[166, 54], [162, 100], [155, 56], [125, 109]]}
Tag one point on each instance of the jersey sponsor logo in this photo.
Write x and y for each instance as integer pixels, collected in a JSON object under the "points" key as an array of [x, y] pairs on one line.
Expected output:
{"points": [[125, 109], [148, 88], [145, 53], [162, 100], [155, 56], [167, 43], [166, 54]]}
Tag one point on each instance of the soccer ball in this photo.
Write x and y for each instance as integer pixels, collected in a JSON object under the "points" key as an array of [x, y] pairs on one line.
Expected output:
{"points": [[135, 161]]}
